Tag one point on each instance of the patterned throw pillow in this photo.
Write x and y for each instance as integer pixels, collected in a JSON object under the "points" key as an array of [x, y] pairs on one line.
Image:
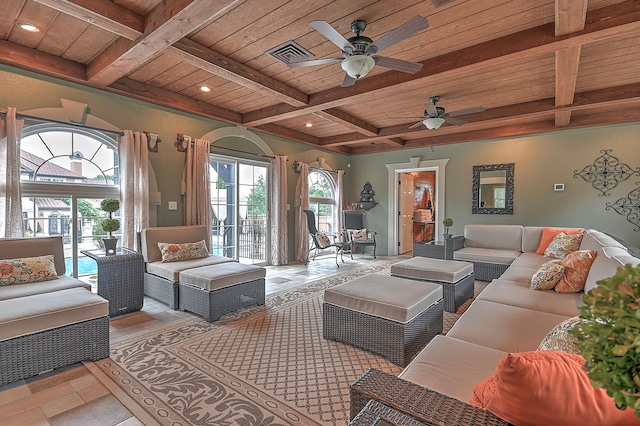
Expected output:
{"points": [[547, 275], [323, 240], [576, 268], [559, 339], [563, 244], [359, 235], [172, 252], [27, 270]]}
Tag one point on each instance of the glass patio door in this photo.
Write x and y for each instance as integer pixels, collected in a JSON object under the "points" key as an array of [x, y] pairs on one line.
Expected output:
{"points": [[239, 204]]}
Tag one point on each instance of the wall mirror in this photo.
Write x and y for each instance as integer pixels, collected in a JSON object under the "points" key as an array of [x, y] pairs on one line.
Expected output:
{"points": [[493, 189]]}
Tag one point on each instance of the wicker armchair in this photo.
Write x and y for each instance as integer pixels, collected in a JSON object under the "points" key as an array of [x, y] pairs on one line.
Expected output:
{"points": [[425, 405]]}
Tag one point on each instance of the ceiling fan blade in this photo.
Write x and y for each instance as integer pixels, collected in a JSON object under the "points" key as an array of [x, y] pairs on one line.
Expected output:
{"points": [[418, 124], [406, 30], [314, 62], [398, 64], [431, 110], [466, 111], [454, 121], [348, 81], [325, 28]]}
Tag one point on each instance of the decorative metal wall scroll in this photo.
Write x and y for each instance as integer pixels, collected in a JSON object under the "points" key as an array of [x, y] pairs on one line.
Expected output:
{"points": [[629, 207], [606, 173]]}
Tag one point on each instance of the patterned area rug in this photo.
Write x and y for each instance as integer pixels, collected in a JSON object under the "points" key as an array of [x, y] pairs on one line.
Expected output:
{"points": [[263, 366]]}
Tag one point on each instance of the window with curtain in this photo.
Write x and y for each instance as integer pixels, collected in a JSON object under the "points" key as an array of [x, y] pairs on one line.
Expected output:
{"points": [[65, 173], [322, 199]]}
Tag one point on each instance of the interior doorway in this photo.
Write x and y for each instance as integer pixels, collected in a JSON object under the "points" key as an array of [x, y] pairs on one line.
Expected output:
{"points": [[415, 165], [417, 206]]}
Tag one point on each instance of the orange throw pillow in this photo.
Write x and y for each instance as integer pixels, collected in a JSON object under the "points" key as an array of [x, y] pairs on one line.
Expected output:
{"points": [[549, 233], [576, 268], [547, 388]]}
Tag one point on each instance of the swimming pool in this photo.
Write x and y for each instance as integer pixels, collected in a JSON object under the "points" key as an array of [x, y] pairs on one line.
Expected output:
{"points": [[86, 266]]}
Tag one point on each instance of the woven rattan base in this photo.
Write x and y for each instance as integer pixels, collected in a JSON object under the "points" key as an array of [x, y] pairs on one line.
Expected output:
{"points": [[426, 405], [161, 289], [393, 340], [33, 354], [488, 271], [212, 304]]}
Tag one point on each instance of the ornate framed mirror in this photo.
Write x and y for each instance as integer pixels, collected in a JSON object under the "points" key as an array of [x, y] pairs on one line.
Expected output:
{"points": [[492, 191]]}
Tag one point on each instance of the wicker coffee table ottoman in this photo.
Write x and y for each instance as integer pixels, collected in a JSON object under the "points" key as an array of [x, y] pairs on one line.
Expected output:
{"points": [[392, 317], [456, 277], [216, 290]]}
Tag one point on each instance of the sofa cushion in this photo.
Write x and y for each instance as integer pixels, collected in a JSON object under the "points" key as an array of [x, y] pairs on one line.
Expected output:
{"points": [[171, 270], [576, 268], [548, 233], [593, 240], [519, 273], [519, 294], [530, 260], [172, 252], [504, 327], [547, 275], [150, 237], [606, 263], [558, 339], [12, 248], [547, 388], [214, 277], [476, 254], [46, 311], [501, 237], [27, 270], [63, 282], [452, 367], [563, 244]]}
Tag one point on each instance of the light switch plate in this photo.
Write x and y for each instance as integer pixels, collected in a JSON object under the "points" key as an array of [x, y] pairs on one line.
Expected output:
{"points": [[173, 205]]}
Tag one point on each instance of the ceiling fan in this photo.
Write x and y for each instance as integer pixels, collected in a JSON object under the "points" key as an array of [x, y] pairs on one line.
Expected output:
{"points": [[436, 116], [358, 51]]}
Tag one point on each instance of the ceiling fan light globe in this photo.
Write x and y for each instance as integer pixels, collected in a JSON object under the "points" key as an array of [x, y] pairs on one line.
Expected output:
{"points": [[357, 66], [433, 123]]}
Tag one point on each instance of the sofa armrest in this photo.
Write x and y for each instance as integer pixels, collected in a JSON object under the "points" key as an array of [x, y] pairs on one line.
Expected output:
{"points": [[427, 406]]}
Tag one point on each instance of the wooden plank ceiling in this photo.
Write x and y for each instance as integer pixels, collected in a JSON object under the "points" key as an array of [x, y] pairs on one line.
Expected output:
{"points": [[535, 65]]}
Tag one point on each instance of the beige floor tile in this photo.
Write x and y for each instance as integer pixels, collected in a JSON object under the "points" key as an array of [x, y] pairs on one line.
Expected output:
{"points": [[61, 405], [104, 411], [13, 392], [85, 381], [32, 417], [131, 422], [93, 392], [35, 400]]}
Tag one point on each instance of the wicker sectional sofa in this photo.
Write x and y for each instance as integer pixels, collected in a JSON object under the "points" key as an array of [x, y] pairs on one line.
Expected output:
{"points": [[507, 317], [47, 324]]}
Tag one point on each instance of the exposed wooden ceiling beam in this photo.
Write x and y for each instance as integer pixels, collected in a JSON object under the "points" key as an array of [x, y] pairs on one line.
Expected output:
{"points": [[613, 21], [44, 63], [104, 14], [167, 23], [211, 61], [570, 17]]}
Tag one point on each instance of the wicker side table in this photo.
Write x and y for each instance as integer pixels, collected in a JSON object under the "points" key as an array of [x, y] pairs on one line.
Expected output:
{"points": [[120, 279], [375, 413]]}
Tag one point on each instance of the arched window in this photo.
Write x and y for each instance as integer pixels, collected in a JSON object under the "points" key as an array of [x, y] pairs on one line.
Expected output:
{"points": [[322, 194], [65, 173]]}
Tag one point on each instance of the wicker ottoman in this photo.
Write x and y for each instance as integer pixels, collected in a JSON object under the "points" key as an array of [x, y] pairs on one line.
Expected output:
{"points": [[456, 277], [216, 290], [389, 316]]}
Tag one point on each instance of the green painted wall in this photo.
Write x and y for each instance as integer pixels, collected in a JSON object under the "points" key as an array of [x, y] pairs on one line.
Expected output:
{"points": [[540, 161]]}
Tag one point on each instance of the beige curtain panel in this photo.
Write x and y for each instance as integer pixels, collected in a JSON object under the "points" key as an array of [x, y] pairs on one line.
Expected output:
{"points": [[133, 158], [11, 225]]}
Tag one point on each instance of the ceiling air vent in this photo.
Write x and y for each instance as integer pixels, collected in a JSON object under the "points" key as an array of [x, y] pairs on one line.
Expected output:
{"points": [[290, 51]]}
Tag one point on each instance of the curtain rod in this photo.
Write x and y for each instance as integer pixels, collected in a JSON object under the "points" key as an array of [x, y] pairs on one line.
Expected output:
{"points": [[244, 152], [48, 120]]}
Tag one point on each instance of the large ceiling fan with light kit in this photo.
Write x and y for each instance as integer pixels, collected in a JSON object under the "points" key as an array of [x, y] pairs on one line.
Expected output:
{"points": [[358, 51], [435, 116]]}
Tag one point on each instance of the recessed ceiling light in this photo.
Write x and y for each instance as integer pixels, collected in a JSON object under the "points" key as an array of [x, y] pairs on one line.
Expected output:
{"points": [[28, 26], [309, 125], [205, 88]]}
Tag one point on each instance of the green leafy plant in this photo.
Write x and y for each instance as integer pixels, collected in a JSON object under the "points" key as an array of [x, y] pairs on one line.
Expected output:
{"points": [[110, 205], [447, 222], [609, 336]]}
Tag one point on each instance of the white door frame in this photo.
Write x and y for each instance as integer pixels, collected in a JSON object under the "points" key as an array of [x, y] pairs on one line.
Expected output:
{"points": [[415, 165]]}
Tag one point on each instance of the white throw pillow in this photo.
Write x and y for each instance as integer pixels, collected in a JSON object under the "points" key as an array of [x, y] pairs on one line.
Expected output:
{"points": [[360, 235]]}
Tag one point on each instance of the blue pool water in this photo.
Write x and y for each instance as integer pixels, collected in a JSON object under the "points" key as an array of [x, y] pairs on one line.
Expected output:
{"points": [[86, 266]]}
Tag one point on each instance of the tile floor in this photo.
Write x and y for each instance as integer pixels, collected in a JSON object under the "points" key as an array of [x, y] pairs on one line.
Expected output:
{"points": [[75, 395]]}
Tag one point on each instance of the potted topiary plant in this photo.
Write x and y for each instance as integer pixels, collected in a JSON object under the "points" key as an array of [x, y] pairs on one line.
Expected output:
{"points": [[110, 225], [447, 222], [609, 336]]}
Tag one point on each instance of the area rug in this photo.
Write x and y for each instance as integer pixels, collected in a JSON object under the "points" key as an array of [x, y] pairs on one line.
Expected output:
{"points": [[263, 366]]}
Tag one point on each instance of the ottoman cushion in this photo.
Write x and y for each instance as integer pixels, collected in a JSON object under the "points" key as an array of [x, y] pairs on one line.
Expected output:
{"points": [[47, 311], [422, 268], [172, 270], [383, 296], [214, 277]]}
